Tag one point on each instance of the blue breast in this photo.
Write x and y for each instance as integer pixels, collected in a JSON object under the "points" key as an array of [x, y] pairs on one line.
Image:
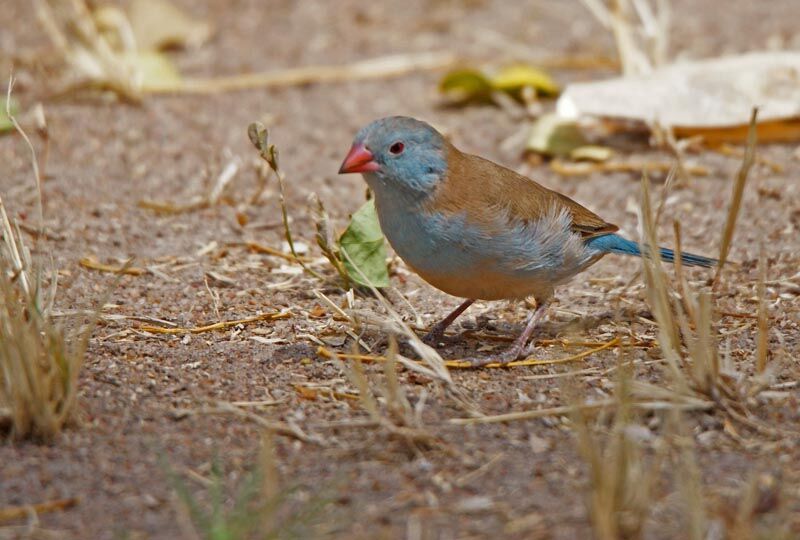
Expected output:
{"points": [[506, 260]]}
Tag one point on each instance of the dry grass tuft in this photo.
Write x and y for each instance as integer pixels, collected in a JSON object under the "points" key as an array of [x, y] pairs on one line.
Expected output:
{"points": [[640, 30], [39, 359], [695, 363], [699, 375], [387, 404], [74, 31], [620, 482]]}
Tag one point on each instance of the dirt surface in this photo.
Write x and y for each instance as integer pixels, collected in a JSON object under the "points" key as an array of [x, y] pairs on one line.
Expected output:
{"points": [[522, 479]]}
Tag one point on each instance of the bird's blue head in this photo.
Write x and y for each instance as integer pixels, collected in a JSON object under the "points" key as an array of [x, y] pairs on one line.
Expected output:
{"points": [[398, 154]]}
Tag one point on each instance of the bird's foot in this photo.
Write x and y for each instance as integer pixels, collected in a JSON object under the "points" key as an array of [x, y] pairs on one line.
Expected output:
{"points": [[436, 334], [434, 337]]}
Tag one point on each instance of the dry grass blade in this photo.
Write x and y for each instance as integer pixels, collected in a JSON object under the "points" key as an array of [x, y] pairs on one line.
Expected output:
{"points": [[763, 317], [401, 420], [595, 406], [39, 359], [658, 293], [355, 373], [465, 364], [261, 248], [734, 151], [620, 482], [644, 391], [437, 369], [668, 183], [376, 68], [683, 287], [738, 193], [688, 479], [14, 253], [395, 396], [223, 325], [259, 136], [536, 413], [211, 199], [92, 263], [12, 513], [585, 169], [274, 426], [37, 175], [325, 239], [640, 45]]}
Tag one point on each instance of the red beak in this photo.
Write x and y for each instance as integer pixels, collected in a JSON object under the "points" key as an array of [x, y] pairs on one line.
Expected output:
{"points": [[358, 159]]}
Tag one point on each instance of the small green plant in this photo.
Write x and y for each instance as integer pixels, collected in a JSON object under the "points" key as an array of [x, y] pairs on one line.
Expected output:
{"points": [[260, 509]]}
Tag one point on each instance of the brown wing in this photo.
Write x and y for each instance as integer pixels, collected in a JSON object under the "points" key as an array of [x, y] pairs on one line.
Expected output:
{"points": [[474, 183]]}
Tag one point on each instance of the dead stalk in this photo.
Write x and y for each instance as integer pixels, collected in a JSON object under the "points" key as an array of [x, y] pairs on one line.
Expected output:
{"points": [[738, 193]]}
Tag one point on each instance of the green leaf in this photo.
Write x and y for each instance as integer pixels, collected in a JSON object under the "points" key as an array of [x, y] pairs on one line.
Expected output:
{"points": [[551, 135], [5, 121], [465, 84], [515, 78], [363, 246]]}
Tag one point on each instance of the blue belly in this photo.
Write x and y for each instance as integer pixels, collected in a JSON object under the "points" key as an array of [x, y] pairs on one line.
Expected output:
{"points": [[464, 259]]}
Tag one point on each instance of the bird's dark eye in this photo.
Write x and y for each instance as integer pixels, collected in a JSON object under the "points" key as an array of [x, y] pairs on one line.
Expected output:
{"points": [[397, 148]]}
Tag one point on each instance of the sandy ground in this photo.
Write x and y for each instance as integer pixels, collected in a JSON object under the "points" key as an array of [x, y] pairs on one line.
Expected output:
{"points": [[105, 157]]}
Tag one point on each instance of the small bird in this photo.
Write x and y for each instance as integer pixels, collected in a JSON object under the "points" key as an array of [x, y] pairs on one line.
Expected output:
{"points": [[475, 229]]}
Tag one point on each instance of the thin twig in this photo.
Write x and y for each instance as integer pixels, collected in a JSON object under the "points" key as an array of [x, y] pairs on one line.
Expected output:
{"points": [[216, 326]]}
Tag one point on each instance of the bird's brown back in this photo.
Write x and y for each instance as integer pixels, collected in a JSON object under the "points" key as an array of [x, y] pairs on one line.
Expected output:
{"points": [[473, 182]]}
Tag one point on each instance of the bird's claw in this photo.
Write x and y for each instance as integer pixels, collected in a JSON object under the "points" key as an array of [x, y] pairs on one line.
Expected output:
{"points": [[433, 338], [436, 337]]}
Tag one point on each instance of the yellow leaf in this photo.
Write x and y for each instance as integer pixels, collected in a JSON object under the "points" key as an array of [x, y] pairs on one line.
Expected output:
{"points": [[465, 84], [155, 70], [517, 77]]}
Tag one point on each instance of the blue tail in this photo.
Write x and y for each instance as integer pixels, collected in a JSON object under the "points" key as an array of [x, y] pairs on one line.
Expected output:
{"points": [[613, 243]]}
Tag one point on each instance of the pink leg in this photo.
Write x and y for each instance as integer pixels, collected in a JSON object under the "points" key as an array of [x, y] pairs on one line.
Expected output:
{"points": [[514, 352], [437, 332]]}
